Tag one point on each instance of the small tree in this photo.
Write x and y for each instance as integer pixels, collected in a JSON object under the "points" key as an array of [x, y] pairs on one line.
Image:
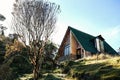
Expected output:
{"points": [[34, 21]]}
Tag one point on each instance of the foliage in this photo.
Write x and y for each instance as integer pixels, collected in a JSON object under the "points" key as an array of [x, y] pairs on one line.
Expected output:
{"points": [[3, 41], [2, 46], [11, 49], [15, 66], [50, 50], [20, 65], [14, 60], [49, 55], [2, 51], [6, 72], [1, 58]]}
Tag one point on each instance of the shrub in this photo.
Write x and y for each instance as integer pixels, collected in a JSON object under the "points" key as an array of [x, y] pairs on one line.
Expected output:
{"points": [[6, 72], [66, 69], [20, 65], [1, 58]]}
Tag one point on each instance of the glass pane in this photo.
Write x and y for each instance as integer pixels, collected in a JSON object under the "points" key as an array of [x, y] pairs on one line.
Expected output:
{"points": [[67, 50]]}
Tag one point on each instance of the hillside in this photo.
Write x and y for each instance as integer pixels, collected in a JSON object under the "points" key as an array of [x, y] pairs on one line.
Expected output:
{"points": [[105, 68]]}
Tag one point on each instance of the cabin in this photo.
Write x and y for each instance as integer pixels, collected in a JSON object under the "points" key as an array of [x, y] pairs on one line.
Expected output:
{"points": [[77, 44]]}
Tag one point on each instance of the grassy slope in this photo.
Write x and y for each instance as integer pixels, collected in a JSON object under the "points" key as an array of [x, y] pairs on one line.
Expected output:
{"points": [[87, 69], [92, 69]]}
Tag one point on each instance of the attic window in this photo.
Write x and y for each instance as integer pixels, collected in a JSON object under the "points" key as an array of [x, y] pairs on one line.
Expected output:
{"points": [[99, 44]]}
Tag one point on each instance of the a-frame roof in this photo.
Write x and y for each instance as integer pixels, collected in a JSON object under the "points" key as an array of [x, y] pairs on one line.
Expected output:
{"points": [[87, 41]]}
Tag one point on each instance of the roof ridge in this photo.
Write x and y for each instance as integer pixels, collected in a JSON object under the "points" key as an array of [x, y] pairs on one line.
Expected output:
{"points": [[69, 27]]}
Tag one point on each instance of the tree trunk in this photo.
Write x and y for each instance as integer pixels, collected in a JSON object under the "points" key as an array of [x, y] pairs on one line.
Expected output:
{"points": [[36, 72]]}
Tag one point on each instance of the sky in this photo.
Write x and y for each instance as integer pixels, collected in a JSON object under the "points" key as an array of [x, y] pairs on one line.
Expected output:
{"points": [[91, 16]]}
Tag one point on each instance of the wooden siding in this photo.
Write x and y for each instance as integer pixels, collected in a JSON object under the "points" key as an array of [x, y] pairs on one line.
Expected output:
{"points": [[66, 40], [73, 44]]}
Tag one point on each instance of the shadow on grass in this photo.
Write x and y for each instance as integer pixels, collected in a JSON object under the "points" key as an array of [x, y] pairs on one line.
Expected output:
{"points": [[96, 71], [51, 77]]}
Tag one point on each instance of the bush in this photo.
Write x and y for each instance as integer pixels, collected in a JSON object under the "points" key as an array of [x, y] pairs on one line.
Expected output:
{"points": [[6, 72], [21, 66], [1, 58], [66, 69]]}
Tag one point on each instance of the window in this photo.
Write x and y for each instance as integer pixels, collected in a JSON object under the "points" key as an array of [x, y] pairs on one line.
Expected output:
{"points": [[67, 50], [99, 45]]}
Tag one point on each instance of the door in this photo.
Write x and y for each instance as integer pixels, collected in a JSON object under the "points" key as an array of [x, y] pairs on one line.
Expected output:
{"points": [[78, 53]]}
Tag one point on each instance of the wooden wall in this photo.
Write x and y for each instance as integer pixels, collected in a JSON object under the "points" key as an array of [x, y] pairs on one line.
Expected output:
{"points": [[73, 44], [66, 40]]}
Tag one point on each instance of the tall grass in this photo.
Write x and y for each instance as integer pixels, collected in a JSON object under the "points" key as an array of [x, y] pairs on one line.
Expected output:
{"points": [[100, 56]]}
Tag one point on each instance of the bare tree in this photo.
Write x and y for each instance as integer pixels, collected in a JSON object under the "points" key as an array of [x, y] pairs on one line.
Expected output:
{"points": [[34, 21]]}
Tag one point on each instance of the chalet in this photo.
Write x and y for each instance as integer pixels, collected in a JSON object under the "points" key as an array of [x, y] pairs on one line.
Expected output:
{"points": [[77, 44]]}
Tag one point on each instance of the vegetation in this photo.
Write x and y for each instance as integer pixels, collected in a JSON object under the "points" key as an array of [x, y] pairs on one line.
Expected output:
{"points": [[14, 59], [15, 64], [34, 21]]}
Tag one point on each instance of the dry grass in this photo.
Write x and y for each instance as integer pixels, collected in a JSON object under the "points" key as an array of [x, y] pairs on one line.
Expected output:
{"points": [[99, 57], [96, 67]]}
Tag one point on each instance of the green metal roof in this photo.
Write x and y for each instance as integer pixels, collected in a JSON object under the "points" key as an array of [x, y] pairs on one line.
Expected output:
{"points": [[87, 42]]}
